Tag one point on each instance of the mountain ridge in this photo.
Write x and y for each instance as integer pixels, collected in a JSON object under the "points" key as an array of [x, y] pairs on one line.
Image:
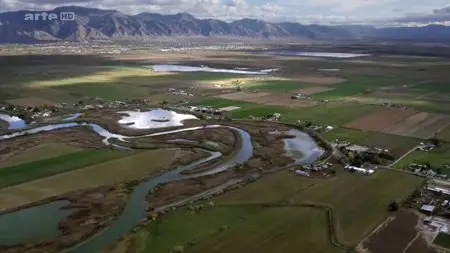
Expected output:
{"points": [[92, 24]]}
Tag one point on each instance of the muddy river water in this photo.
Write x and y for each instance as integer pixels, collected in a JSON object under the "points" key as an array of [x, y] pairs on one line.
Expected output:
{"points": [[302, 148]]}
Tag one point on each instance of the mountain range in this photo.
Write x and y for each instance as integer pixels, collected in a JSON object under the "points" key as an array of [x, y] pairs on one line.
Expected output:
{"points": [[104, 25]]}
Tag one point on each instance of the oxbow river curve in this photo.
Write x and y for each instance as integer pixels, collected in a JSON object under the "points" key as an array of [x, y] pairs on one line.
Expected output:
{"points": [[135, 211]]}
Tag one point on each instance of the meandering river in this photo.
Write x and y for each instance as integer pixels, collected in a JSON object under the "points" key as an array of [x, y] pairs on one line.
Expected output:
{"points": [[135, 210]]}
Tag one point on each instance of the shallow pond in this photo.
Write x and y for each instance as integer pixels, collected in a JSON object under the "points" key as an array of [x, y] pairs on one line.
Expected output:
{"points": [[303, 148], [182, 68], [13, 121], [30, 224], [157, 118], [317, 54]]}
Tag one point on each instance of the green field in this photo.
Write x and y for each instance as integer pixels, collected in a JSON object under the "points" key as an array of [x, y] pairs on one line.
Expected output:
{"points": [[237, 229], [397, 145], [218, 103], [108, 82], [434, 86], [201, 76], [345, 134], [66, 82], [356, 86], [359, 202], [411, 101], [40, 152], [55, 165], [247, 108], [277, 85], [96, 171], [330, 113], [442, 240]]}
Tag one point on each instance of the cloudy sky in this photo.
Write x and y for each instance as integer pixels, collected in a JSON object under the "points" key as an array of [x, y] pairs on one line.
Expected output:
{"points": [[378, 12]]}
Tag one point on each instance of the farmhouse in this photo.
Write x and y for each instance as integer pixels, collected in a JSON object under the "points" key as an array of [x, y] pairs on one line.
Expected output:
{"points": [[437, 224], [426, 147], [439, 189], [357, 148], [427, 209]]}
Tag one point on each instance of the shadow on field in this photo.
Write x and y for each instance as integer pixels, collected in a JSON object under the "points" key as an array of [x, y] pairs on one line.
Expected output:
{"points": [[17, 71]]}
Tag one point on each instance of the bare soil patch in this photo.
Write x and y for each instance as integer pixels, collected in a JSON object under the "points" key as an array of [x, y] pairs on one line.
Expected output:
{"points": [[421, 125], [380, 120], [178, 190], [395, 235], [3, 125], [269, 98], [313, 90], [30, 101], [268, 149], [322, 80]]}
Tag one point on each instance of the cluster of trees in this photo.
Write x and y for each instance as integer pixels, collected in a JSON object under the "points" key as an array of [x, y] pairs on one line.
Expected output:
{"points": [[393, 206], [435, 141], [358, 159]]}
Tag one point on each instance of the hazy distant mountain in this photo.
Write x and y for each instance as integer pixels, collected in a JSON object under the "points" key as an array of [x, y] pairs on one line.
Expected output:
{"points": [[95, 24]]}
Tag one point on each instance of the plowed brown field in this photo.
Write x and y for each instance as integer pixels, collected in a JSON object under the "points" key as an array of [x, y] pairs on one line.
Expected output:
{"points": [[313, 90], [421, 125], [420, 246], [30, 101], [395, 235], [380, 120]]}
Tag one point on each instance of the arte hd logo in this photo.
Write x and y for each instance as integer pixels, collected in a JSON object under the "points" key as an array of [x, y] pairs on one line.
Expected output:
{"points": [[44, 16]]}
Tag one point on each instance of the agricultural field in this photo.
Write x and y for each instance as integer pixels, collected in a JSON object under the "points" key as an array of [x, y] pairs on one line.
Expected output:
{"points": [[339, 194], [37, 169], [217, 230], [30, 101], [347, 134], [39, 152], [434, 87], [398, 234], [442, 240], [280, 211], [38, 85], [277, 85], [421, 125], [269, 98], [380, 120], [356, 86], [330, 113], [62, 175], [401, 122], [397, 145]]}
